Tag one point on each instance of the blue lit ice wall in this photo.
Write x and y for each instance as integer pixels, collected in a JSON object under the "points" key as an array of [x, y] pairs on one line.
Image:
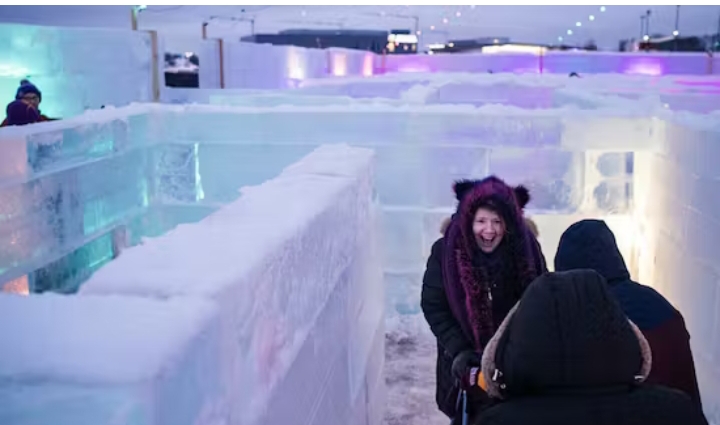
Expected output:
{"points": [[75, 68], [90, 190]]}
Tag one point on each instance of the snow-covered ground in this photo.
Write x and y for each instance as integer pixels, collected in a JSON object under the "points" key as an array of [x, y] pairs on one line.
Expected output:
{"points": [[410, 352]]}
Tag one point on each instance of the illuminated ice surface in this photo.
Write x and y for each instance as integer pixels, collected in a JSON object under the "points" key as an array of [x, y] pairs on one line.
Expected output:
{"points": [[574, 144], [56, 60]]}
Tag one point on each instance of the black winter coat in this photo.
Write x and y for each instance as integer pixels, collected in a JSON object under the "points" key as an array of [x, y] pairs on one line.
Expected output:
{"points": [[568, 355], [450, 337]]}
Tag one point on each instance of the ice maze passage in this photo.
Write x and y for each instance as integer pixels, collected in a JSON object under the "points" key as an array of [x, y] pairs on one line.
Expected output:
{"points": [[254, 218]]}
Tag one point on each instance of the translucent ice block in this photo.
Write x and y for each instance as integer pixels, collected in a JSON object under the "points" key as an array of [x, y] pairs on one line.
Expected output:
{"points": [[56, 60], [555, 177], [487, 130], [48, 217], [100, 360], [443, 165], [402, 238]]}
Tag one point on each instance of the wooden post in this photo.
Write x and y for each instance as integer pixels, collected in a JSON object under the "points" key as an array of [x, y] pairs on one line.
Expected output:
{"points": [[204, 30], [155, 66], [221, 62], [134, 18]]}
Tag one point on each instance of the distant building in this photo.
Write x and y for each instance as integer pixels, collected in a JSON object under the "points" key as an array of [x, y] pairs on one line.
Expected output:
{"points": [[475, 44], [670, 44], [394, 42]]}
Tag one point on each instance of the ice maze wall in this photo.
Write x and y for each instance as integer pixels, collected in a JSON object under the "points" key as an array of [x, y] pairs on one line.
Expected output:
{"points": [[677, 213], [649, 64], [251, 315], [76, 68], [248, 67], [578, 163]]}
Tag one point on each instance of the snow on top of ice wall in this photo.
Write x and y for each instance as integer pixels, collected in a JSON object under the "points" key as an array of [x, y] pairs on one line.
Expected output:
{"points": [[595, 91], [568, 111], [332, 160], [210, 261], [593, 82], [76, 68], [87, 117], [154, 268], [33, 150], [95, 340]]}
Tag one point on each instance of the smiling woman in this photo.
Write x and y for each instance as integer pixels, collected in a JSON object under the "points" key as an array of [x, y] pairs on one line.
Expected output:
{"points": [[474, 275]]}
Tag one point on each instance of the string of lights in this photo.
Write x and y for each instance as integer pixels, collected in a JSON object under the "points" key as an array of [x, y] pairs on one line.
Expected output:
{"points": [[578, 24]]}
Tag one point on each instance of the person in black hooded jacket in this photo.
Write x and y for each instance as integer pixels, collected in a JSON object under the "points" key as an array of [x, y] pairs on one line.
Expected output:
{"points": [[468, 287], [590, 244], [567, 355]]}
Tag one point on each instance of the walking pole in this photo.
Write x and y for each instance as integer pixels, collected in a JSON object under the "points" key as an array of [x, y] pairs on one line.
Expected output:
{"points": [[465, 411]]}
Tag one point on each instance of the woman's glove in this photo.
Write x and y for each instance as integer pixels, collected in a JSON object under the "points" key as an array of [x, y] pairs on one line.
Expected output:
{"points": [[462, 364]]}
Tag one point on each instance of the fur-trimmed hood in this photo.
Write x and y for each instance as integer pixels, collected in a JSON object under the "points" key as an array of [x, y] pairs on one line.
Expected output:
{"points": [[567, 334]]}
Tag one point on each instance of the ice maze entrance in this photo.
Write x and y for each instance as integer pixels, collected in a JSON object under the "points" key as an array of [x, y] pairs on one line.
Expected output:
{"points": [[240, 264]]}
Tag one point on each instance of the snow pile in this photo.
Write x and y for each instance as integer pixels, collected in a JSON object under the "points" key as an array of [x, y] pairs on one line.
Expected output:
{"points": [[94, 360]]}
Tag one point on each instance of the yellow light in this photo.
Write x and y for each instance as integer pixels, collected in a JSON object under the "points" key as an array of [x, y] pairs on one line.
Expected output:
{"points": [[19, 286]]}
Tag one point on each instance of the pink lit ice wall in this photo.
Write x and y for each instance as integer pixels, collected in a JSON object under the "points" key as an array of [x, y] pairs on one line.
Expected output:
{"points": [[652, 64]]}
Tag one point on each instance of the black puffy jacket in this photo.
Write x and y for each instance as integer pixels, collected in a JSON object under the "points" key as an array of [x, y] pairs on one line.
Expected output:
{"points": [[590, 244], [451, 340], [568, 355]]}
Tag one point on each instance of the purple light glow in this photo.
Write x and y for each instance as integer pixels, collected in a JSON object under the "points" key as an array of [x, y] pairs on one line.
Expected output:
{"points": [[655, 65], [644, 67]]}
